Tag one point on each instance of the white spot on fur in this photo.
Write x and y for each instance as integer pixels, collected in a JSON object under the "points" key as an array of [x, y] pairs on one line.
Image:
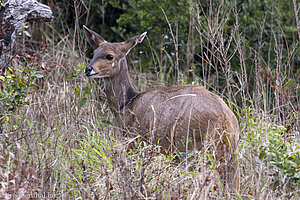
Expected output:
{"points": [[181, 95]]}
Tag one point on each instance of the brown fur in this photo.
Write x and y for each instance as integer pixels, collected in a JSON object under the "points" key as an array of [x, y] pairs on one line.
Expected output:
{"points": [[170, 115]]}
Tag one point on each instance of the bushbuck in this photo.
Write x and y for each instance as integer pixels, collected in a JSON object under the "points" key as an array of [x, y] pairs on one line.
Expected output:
{"points": [[178, 118]]}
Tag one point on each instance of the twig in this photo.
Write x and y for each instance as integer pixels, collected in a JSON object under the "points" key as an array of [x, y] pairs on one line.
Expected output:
{"points": [[175, 41], [296, 17]]}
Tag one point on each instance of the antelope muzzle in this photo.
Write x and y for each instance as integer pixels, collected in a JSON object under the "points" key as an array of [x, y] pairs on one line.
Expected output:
{"points": [[88, 70]]}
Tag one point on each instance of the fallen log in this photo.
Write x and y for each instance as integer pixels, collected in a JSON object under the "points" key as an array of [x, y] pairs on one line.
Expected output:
{"points": [[13, 15]]}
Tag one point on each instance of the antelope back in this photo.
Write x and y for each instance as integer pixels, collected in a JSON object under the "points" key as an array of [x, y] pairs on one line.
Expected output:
{"points": [[180, 118]]}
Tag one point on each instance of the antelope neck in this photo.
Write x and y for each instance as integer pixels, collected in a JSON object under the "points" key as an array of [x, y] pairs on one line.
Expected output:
{"points": [[120, 90]]}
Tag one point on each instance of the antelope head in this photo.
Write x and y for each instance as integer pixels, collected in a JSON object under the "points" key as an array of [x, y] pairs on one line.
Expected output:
{"points": [[107, 55]]}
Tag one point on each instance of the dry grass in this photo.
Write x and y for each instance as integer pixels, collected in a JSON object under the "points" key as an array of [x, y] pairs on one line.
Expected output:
{"points": [[54, 145], [60, 146], [57, 146]]}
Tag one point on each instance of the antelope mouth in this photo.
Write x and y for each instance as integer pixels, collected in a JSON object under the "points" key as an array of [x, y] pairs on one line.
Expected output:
{"points": [[92, 74], [95, 75]]}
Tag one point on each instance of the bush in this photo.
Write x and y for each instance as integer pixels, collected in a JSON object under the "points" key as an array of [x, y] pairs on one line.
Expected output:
{"points": [[15, 86], [281, 158]]}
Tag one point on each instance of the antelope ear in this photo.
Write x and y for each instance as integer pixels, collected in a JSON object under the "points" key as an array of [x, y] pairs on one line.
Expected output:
{"points": [[93, 38], [131, 42], [141, 37]]}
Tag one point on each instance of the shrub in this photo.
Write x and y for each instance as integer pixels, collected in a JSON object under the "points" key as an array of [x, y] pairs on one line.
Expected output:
{"points": [[15, 85], [277, 152]]}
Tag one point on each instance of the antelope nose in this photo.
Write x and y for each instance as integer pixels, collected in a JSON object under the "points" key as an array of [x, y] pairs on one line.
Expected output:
{"points": [[88, 70]]}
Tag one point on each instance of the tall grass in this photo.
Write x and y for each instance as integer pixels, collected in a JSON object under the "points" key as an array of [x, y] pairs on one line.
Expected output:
{"points": [[64, 143]]}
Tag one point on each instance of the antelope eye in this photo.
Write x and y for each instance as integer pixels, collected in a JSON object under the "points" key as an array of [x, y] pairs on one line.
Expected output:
{"points": [[109, 57]]}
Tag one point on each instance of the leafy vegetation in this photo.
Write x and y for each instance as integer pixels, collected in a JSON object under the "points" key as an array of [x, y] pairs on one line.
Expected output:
{"points": [[275, 150], [15, 86]]}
